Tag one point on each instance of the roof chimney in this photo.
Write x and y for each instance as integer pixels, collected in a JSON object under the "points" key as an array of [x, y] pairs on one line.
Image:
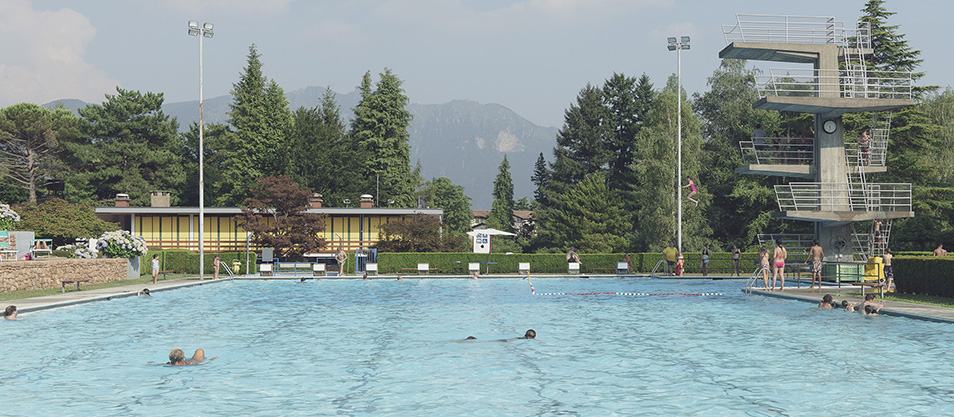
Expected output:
{"points": [[122, 200], [315, 200], [367, 201], [159, 198]]}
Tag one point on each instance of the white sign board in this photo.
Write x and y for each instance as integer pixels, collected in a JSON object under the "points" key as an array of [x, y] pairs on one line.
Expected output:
{"points": [[482, 243]]}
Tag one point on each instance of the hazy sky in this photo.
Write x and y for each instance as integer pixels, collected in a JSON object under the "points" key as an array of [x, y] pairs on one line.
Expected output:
{"points": [[532, 56]]}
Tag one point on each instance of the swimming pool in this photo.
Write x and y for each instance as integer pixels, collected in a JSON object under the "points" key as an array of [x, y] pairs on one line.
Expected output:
{"points": [[385, 347]]}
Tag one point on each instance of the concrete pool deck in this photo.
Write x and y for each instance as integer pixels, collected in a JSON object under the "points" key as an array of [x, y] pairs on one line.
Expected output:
{"points": [[895, 308]]}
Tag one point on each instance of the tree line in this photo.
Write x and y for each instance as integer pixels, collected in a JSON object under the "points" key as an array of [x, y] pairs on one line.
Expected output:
{"points": [[609, 185]]}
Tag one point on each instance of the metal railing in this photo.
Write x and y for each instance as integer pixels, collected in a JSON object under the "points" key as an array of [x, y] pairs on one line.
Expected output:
{"points": [[796, 29], [807, 82], [778, 151], [826, 196], [792, 241]]}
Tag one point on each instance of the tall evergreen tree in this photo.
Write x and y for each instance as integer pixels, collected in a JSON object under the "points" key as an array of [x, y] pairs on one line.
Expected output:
{"points": [[592, 218], [541, 179], [29, 138], [621, 125], [380, 129], [130, 146], [216, 138], [259, 116], [325, 158], [580, 147], [501, 210]]}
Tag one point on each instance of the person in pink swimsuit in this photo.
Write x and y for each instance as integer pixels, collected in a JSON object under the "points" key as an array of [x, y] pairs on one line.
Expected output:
{"points": [[778, 257], [692, 187]]}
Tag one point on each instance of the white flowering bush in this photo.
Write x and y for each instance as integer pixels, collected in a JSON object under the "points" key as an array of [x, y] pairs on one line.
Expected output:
{"points": [[8, 218], [121, 244], [79, 250]]}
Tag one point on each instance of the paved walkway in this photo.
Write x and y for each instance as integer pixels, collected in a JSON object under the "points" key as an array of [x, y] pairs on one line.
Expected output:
{"points": [[892, 308], [26, 305]]}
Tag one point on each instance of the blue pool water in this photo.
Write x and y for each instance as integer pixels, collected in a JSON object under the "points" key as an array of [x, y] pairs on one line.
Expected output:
{"points": [[385, 347]]}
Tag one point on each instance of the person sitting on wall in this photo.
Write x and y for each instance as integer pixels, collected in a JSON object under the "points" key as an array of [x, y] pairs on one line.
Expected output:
{"points": [[571, 256]]}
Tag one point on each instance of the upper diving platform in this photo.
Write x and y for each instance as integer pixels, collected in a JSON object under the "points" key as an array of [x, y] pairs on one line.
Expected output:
{"points": [[842, 202], [800, 39]]}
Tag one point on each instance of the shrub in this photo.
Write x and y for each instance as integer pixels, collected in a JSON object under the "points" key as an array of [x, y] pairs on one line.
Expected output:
{"points": [[928, 276], [121, 244]]}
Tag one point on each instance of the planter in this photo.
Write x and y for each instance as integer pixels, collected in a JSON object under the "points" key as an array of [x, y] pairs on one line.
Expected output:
{"points": [[132, 268]]}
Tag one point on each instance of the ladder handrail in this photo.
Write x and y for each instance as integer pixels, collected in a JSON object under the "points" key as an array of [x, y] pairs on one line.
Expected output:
{"points": [[751, 281], [657, 266]]}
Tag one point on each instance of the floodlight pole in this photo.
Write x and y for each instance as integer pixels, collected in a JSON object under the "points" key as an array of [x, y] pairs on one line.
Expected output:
{"points": [[678, 46], [201, 31]]}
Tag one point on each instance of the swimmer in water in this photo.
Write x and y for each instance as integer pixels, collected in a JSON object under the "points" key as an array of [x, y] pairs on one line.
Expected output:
{"points": [[198, 357], [826, 302], [530, 334], [177, 358], [144, 291], [10, 313]]}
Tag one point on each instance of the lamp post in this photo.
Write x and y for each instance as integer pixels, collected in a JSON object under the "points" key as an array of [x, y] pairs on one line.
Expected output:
{"points": [[678, 46], [204, 31]]}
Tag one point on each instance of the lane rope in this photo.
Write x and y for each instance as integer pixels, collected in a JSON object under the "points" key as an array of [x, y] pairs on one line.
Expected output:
{"points": [[635, 294]]}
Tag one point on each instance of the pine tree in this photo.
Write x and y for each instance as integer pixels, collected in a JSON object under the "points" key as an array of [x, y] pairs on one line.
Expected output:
{"points": [[540, 178], [591, 218], [380, 129], [29, 138], [501, 210], [260, 118], [130, 146]]}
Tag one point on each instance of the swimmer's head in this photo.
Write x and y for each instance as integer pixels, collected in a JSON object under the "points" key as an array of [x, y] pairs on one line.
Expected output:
{"points": [[869, 309], [530, 334], [10, 311], [176, 356], [827, 298], [844, 303], [869, 297], [470, 338], [145, 291]]}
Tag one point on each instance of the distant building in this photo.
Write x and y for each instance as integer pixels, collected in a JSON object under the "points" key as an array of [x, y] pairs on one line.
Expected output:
{"points": [[522, 220], [166, 227]]}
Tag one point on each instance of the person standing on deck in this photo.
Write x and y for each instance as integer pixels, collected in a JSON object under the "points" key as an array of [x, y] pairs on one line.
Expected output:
{"points": [[155, 268], [778, 259], [736, 258], [704, 259], [764, 264], [216, 263], [888, 270], [815, 257], [341, 257], [670, 254]]}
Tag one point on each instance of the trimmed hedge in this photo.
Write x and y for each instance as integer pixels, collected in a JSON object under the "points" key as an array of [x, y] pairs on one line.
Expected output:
{"points": [[549, 263], [928, 276], [184, 261]]}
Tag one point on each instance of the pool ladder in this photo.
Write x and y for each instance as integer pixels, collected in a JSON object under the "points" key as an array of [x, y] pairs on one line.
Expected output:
{"points": [[227, 269], [750, 283], [658, 264]]}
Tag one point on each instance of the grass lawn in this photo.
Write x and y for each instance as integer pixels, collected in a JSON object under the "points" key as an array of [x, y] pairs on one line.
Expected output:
{"points": [[16, 295]]}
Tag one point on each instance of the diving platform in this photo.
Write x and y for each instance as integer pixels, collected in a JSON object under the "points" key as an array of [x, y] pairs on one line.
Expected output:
{"points": [[830, 106], [840, 217]]}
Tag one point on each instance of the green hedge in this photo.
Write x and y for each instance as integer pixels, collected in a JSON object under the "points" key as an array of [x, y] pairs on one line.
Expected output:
{"points": [[549, 263], [928, 276], [184, 261]]}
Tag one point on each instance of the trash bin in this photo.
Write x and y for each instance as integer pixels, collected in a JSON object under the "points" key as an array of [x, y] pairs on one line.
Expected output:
{"points": [[874, 269], [235, 266]]}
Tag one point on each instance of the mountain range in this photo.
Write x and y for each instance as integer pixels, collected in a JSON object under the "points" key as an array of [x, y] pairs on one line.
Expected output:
{"points": [[462, 140]]}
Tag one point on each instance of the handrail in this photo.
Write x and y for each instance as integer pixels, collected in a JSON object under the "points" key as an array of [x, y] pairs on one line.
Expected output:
{"points": [[796, 29], [778, 151], [830, 196], [749, 284], [657, 267], [227, 269], [803, 82]]}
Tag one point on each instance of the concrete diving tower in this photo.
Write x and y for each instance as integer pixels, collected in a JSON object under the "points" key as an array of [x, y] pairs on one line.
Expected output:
{"points": [[837, 82]]}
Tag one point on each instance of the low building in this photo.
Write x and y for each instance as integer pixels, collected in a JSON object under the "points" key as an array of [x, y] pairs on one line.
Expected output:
{"points": [[166, 227]]}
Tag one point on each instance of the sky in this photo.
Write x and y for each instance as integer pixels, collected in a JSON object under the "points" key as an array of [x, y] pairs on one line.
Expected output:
{"points": [[532, 56]]}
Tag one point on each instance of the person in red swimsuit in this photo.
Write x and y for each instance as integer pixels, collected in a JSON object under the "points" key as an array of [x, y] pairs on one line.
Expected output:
{"points": [[692, 187]]}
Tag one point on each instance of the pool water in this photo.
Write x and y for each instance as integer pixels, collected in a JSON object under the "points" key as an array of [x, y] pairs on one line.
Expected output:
{"points": [[385, 347]]}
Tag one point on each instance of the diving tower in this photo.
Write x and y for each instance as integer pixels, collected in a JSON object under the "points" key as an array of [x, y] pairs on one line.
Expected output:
{"points": [[837, 192]]}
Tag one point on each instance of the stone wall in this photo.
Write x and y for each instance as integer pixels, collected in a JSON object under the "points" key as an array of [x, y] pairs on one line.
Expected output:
{"points": [[40, 274]]}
